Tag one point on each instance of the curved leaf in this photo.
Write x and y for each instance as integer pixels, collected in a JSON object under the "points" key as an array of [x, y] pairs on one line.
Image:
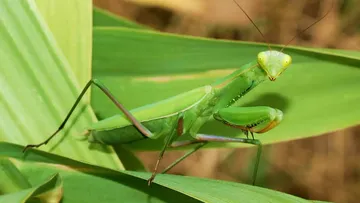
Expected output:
{"points": [[49, 191], [86, 183], [11, 178], [209, 190]]}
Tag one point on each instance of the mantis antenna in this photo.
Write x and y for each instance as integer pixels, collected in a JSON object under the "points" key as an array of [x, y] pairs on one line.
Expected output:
{"points": [[312, 24], [252, 23]]}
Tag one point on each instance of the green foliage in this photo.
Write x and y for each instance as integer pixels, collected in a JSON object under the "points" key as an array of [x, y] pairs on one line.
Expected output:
{"points": [[89, 183], [14, 186], [317, 92], [43, 66]]}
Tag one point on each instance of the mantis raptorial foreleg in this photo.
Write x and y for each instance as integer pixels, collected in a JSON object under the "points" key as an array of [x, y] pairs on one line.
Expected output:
{"points": [[258, 119], [248, 119]]}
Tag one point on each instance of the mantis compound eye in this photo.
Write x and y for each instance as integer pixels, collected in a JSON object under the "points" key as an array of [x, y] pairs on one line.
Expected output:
{"points": [[286, 61], [262, 58]]}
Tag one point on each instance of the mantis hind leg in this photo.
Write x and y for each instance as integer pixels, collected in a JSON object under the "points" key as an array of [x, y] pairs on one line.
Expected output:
{"points": [[177, 130], [102, 87]]}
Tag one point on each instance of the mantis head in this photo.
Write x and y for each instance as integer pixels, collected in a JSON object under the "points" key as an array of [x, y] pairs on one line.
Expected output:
{"points": [[273, 63]]}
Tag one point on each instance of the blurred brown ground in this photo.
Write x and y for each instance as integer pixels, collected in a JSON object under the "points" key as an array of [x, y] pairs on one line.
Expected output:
{"points": [[326, 167]]}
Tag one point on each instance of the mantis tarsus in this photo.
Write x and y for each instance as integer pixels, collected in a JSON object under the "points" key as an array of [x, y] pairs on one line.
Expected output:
{"points": [[179, 118]]}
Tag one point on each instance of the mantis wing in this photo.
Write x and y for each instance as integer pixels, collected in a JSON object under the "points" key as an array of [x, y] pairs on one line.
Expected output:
{"points": [[164, 108]]}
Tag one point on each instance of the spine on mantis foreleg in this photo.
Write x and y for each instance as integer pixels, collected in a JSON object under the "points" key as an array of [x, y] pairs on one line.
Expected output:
{"points": [[236, 85]]}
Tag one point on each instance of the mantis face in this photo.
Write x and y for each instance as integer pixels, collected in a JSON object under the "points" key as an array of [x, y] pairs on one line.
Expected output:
{"points": [[273, 63]]}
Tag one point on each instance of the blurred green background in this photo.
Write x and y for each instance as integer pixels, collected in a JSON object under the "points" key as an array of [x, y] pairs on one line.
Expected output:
{"points": [[325, 167]]}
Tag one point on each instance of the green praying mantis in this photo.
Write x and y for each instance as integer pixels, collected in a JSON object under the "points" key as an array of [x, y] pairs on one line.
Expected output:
{"points": [[180, 118]]}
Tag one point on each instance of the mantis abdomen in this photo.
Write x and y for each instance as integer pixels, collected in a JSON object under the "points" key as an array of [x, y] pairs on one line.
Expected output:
{"points": [[127, 134]]}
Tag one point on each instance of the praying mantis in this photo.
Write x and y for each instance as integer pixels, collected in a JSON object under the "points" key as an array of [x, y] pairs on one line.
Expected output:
{"points": [[180, 117]]}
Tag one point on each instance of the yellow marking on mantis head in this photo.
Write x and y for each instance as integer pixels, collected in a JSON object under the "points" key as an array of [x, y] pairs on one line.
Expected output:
{"points": [[273, 63]]}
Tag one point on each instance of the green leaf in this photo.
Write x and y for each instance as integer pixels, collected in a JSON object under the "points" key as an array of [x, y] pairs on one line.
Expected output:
{"points": [[208, 190], [86, 183], [39, 87], [317, 93], [128, 159], [11, 178], [105, 18], [71, 24], [49, 191]]}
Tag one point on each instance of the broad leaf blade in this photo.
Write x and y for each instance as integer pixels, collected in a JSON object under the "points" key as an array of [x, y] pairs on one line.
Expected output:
{"points": [[130, 186], [217, 191], [39, 87], [71, 24], [86, 183], [317, 93]]}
